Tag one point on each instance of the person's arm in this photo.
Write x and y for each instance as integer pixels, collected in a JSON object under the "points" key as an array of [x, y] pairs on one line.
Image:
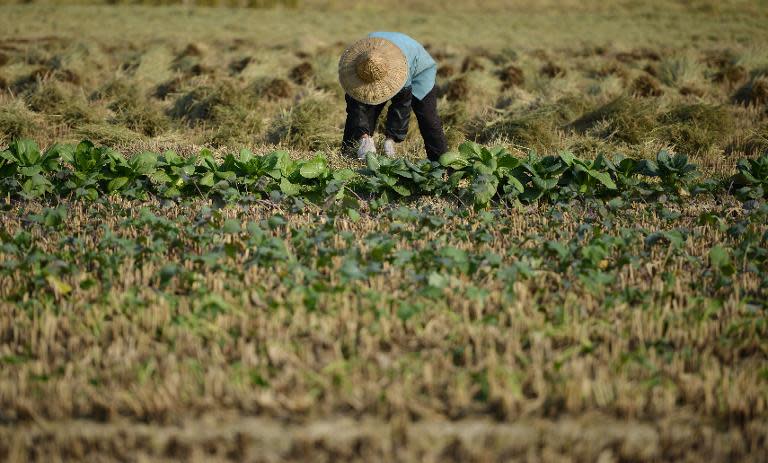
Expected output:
{"points": [[424, 82]]}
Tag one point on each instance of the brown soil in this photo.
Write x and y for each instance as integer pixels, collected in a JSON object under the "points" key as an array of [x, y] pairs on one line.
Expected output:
{"points": [[237, 66], [192, 49], [511, 76], [457, 89], [302, 73], [25, 83], [755, 93], [651, 69], [588, 51], [611, 68], [689, 90], [199, 69], [439, 54], [637, 55], [552, 70], [277, 89], [4, 59], [472, 63], [446, 70], [646, 86], [719, 59], [168, 87], [731, 75], [67, 75]]}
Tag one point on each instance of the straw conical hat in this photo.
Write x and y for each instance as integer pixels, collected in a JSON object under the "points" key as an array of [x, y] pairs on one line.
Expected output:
{"points": [[373, 70]]}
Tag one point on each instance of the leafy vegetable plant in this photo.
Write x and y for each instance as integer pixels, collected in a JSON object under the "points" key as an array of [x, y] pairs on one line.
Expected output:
{"points": [[752, 178]]}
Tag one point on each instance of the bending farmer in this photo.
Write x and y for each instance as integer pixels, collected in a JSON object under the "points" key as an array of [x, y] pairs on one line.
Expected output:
{"points": [[389, 66]]}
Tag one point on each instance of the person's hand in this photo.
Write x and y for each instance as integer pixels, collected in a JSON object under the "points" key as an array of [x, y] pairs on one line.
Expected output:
{"points": [[366, 146], [389, 147]]}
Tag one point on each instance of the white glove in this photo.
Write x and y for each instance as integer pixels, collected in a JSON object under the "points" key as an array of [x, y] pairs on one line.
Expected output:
{"points": [[389, 147], [366, 146]]}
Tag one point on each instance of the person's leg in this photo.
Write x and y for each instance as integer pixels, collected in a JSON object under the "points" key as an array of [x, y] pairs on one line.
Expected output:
{"points": [[361, 120], [398, 115], [430, 126], [374, 116]]}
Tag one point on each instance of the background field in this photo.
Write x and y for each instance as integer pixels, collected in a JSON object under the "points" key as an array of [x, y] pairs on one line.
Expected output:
{"points": [[538, 75], [420, 331]]}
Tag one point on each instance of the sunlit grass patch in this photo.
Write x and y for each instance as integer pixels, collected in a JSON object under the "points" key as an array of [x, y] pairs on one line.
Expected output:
{"points": [[624, 119], [16, 120], [697, 128], [306, 124]]}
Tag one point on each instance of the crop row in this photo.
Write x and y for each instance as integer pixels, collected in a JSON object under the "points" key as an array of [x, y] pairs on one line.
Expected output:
{"points": [[473, 173], [182, 250]]}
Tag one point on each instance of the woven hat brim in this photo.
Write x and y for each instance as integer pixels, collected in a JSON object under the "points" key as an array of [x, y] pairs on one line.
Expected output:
{"points": [[381, 90]]}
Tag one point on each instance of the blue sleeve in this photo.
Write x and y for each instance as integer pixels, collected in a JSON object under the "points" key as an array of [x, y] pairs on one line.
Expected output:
{"points": [[424, 82]]}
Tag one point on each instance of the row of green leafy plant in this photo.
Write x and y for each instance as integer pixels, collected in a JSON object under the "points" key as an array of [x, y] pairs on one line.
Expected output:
{"points": [[474, 173], [323, 257]]}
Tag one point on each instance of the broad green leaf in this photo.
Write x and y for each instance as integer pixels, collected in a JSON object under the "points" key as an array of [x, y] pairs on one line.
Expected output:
{"points": [[458, 258], [484, 188], [172, 192], [560, 249], [226, 175], [59, 287], [387, 179], [485, 154], [720, 258], [470, 149], [663, 159], [231, 226], [602, 177], [515, 183], [648, 167], [438, 280], [289, 188], [36, 186], [117, 183], [567, 157], [289, 167], [407, 310], [344, 174], [208, 161], [143, 163], [26, 151], [159, 176], [497, 151], [680, 161], [350, 269], [545, 184], [485, 168], [508, 161], [30, 171], [207, 180], [313, 168], [401, 190], [372, 161], [353, 215], [171, 157], [245, 156], [455, 178], [167, 272], [675, 238]]}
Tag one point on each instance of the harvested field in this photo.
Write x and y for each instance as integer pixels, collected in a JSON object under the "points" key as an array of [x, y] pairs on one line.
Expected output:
{"points": [[213, 280]]}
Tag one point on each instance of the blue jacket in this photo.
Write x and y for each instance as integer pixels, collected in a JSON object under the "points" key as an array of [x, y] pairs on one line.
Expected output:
{"points": [[422, 69]]}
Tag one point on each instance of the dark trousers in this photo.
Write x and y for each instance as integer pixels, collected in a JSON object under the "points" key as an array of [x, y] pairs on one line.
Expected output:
{"points": [[362, 119]]}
